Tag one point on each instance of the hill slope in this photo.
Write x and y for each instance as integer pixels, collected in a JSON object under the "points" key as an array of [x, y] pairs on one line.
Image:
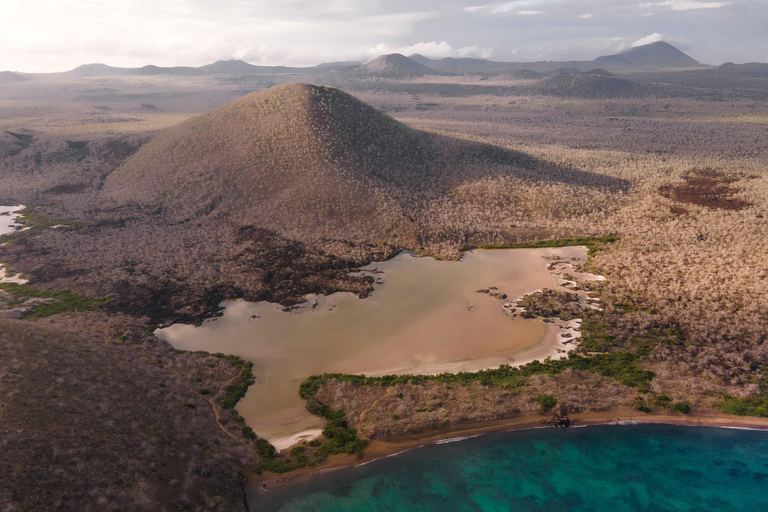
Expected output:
{"points": [[313, 162], [292, 156], [588, 85], [9, 77], [395, 65], [658, 54]]}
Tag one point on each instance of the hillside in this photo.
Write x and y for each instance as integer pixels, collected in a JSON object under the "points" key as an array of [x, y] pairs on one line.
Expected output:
{"points": [[158, 70], [755, 69], [290, 157], [459, 65], [9, 77], [99, 70], [518, 74], [658, 54], [395, 65], [92, 409], [311, 160], [588, 85], [228, 66]]}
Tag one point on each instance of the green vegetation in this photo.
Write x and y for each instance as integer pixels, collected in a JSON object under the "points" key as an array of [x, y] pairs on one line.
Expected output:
{"points": [[593, 244], [63, 301], [233, 393], [743, 406], [341, 438], [640, 404], [618, 365], [546, 401], [36, 223]]}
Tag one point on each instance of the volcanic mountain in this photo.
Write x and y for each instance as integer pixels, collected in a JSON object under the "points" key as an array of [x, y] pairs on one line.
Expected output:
{"points": [[310, 161], [296, 156], [658, 54], [8, 77], [395, 65]]}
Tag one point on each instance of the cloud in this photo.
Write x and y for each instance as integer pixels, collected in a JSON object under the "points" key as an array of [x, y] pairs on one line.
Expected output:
{"points": [[431, 49], [55, 35], [516, 4], [685, 5], [653, 38]]}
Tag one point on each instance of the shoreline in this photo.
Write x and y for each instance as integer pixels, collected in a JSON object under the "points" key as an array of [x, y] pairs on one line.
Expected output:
{"points": [[8, 216], [273, 409], [551, 345], [259, 485]]}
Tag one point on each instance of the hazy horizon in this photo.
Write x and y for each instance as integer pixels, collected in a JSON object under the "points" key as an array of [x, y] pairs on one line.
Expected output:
{"points": [[54, 36]]}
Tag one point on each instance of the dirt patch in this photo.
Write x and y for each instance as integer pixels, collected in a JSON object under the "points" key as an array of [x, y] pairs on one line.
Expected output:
{"points": [[706, 188]]}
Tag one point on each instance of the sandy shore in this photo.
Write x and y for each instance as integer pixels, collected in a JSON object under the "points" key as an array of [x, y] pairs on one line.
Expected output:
{"points": [[8, 216], [260, 484], [553, 344], [283, 443], [559, 337]]}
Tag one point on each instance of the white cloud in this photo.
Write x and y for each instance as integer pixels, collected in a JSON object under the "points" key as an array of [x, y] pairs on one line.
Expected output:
{"points": [[516, 4], [685, 5], [431, 49], [653, 38], [55, 35]]}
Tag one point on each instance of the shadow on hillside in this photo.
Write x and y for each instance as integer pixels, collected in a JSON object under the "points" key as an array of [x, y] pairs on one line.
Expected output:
{"points": [[480, 160]]}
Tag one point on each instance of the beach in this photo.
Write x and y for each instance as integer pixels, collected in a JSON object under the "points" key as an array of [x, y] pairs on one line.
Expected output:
{"points": [[380, 448]]}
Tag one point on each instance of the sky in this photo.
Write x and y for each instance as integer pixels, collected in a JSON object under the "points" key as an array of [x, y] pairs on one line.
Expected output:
{"points": [[58, 35]]}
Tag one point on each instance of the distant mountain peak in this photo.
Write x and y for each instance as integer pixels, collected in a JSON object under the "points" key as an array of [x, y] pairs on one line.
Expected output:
{"points": [[658, 54], [228, 66], [11, 76], [395, 65]]}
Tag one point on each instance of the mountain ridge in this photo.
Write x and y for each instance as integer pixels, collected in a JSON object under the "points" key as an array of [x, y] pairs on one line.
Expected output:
{"points": [[658, 54]]}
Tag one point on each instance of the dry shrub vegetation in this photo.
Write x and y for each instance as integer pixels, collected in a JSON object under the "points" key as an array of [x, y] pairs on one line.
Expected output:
{"points": [[96, 414], [380, 412], [682, 182]]}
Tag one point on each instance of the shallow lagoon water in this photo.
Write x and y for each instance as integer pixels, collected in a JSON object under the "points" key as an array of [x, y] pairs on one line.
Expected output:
{"points": [[603, 468], [426, 317]]}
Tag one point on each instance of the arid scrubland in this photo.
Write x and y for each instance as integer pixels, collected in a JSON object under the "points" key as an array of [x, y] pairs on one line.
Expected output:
{"points": [[95, 414], [682, 182], [686, 280]]}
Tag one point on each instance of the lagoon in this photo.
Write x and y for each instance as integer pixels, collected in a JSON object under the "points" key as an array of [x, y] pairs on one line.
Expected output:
{"points": [[424, 316]]}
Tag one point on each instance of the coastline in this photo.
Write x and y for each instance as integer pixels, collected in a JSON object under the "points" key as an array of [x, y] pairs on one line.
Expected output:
{"points": [[8, 224], [259, 485], [552, 344], [431, 342]]}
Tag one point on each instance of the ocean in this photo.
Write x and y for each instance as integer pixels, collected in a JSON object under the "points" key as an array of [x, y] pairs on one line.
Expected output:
{"points": [[600, 468]]}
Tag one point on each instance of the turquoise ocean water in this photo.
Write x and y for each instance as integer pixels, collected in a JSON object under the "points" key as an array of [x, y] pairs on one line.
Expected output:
{"points": [[604, 468]]}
